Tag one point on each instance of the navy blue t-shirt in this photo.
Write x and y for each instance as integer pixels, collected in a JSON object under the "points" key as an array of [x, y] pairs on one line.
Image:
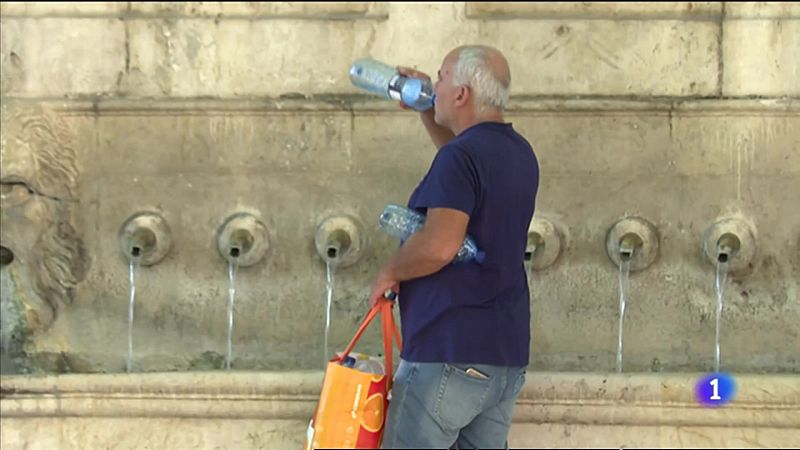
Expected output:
{"points": [[476, 312]]}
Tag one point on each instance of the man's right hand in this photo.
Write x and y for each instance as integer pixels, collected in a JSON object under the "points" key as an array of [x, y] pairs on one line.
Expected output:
{"points": [[439, 134], [409, 72]]}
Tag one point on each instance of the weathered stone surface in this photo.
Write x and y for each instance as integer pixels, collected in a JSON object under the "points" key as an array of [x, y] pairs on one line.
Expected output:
{"points": [[762, 10], [599, 164], [328, 10], [271, 410], [62, 57], [248, 108], [599, 57], [596, 10], [203, 57], [761, 57], [199, 111], [65, 9]]}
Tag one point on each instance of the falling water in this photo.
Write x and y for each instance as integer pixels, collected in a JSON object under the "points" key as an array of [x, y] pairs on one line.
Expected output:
{"points": [[132, 266], [722, 274], [329, 272], [231, 296], [624, 273]]}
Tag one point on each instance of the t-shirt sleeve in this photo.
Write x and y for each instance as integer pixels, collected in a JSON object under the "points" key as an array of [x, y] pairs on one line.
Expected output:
{"points": [[452, 182]]}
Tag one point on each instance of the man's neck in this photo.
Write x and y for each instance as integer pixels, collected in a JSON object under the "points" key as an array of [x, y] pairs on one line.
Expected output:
{"points": [[474, 119]]}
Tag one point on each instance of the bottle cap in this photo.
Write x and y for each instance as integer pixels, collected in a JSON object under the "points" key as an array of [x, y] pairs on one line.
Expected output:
{"points": [[411, 90]]}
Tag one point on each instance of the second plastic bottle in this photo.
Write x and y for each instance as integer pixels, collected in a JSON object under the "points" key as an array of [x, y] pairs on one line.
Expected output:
{"points": [[402, 223]]}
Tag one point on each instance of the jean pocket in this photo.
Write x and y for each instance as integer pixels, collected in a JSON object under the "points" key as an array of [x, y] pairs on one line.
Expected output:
{"points": [[460, 397], [520, 383]]}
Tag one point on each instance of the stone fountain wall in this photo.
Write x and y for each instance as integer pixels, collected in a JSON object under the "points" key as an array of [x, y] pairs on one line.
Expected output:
{"points": [[682, 114]]}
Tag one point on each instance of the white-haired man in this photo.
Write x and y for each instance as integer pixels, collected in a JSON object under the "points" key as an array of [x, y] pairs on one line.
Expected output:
{"points": [[466, 326]]}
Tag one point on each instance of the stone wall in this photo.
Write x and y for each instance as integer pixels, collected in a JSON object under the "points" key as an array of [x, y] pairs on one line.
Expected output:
{"points": [[680, 113]]}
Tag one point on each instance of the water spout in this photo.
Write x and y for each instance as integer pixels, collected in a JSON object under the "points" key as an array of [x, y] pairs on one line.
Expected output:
{"points": [[242, 240], [732, 242], [142, 241], [535, 242], [338, 244], [633, 240], [629, 245], [145, 237], [543, 245], [339, 241], [728, 246]]}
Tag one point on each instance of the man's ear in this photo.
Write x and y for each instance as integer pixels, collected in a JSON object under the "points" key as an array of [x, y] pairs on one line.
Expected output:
{"points": [[463, 95]]}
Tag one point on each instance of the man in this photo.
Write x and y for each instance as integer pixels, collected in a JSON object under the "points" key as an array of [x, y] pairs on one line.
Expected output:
{"points": [[466, 326]]}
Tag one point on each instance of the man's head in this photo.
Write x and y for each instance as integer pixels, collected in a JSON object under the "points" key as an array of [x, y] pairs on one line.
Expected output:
{"points": [[473, 82]]}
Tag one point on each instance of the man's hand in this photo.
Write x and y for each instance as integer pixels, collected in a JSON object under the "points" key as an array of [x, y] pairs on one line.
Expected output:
{"points": [[382, 283], [440, 135], [409, 72]]}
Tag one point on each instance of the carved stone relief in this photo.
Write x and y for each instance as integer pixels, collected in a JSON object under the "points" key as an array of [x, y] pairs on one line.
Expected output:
{"points": [[38, 193]]}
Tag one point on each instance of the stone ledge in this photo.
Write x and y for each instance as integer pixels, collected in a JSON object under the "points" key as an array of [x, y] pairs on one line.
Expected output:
{"points": [[354, 104], [769, 401], [221, 11], [686, 11]]}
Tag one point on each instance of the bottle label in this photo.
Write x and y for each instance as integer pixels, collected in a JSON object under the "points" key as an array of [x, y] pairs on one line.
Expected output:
{"points": [[395, 90]]}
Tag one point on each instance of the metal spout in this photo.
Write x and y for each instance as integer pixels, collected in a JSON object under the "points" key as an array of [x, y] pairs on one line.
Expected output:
{"points": [[337, 244], [728, 246], [240, 242], [142, 241], [628, 245], [535, 242]]}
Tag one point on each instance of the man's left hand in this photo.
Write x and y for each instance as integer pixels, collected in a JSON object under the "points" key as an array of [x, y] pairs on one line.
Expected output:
{"points": [[382, 283]]}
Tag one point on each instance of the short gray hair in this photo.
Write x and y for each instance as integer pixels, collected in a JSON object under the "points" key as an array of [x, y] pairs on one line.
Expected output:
{"points": [[473, 68]]}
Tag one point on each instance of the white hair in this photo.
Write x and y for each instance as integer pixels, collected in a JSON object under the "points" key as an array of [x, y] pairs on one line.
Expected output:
{"points": [[474, 69]]}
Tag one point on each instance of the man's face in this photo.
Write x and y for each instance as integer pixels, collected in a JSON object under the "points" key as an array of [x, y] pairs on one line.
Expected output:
{"points": [[446, 92]]}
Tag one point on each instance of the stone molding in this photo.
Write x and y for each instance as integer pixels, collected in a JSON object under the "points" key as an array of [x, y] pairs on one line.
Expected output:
{"points": [[763, 401]]}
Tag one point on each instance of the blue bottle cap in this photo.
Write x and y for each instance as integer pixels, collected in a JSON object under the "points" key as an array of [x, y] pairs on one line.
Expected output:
{"points": [[411, 90]]}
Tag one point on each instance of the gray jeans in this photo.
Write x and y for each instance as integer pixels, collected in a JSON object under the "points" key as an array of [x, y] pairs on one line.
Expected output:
{"points": [[438, 405]]}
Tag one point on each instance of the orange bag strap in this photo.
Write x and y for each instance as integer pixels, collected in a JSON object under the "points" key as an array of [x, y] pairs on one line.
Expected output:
{"points": [[384, 306]]}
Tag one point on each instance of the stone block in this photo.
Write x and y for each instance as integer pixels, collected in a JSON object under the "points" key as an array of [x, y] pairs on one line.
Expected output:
{"points": [[738, 144], [762, 10], [236, 58], [64, 9], [595, 10], [332, 10], [598, 142], [760, 58], [603, 57], [62, 57]]}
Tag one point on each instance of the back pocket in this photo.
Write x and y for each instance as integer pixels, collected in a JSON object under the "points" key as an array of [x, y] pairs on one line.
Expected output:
{"points": [[460, 397]]}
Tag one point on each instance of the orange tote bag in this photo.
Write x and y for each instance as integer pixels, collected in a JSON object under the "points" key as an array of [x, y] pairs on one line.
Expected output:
{"points": [[352, 407]]}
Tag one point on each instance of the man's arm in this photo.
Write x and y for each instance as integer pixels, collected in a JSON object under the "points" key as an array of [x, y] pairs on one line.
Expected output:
{"points": [[439, 134], [426, 252]]}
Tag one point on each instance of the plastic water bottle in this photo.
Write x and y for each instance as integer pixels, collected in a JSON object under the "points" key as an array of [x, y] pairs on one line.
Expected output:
{"points": [[402, 222], [370, 366], [363, 363], [384, 80]]}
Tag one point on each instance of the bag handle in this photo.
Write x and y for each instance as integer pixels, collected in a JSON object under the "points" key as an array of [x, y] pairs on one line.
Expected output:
{"points": [[383, 306]]}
